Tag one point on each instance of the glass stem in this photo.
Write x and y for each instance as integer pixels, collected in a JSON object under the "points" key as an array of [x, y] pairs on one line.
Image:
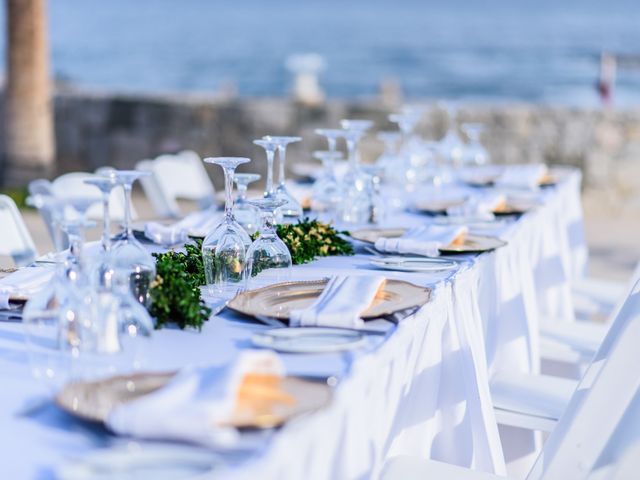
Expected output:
{"points": [[127, 209], [267, 224], [353, 154], [106, 223], [332, 144], [228, 190], [282, 151], [269, 187], [75, 246], [327, 163], [242, 191]]}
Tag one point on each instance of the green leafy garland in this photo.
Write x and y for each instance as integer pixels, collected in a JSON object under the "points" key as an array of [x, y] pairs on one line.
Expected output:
{"points": [[175, 294], [308, 239]]}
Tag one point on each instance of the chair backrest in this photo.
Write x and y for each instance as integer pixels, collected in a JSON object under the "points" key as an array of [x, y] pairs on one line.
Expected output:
{"points": [[72, 185], [43, 188], [154, 192], [183, 176], [597, 410], [635, 277], [15, 239]]}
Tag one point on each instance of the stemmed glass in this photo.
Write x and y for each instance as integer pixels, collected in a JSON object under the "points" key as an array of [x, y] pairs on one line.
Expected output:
{"points": [[325, 195], [291, 210], [246, 214], [104, 269], [357, 207], [388, 161], [121, 316], [474, 153], [132, 263], [224, 249], [451, 145], [270, 147], [353, 131], [268, 258], [332, 135], [57, 318]]}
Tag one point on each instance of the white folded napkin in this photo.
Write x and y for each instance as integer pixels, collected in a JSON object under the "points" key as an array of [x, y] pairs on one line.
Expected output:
{"points": [[522, 176], [192, 406], [478, 207], [25, 282], [165, 234], [196, 223], [425, 240], [341, 303]]}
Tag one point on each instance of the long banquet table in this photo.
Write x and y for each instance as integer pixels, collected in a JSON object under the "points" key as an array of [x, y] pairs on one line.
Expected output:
{"points": [[421, 389]]}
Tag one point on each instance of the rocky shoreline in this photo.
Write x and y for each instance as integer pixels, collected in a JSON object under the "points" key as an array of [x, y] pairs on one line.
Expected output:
{"points": [[95, 129]]}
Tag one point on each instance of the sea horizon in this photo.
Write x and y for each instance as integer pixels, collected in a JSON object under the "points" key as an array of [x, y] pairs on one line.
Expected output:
{"points": [[495, 52]]}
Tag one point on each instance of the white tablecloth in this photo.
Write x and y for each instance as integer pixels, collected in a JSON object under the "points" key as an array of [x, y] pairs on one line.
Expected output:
{"points": [[422, 390]]}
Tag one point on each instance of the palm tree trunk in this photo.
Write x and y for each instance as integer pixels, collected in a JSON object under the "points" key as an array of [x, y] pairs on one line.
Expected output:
{"points": [[29, 143]]}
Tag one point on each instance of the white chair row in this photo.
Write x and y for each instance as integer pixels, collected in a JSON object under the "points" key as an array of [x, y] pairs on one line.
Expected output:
{"points": [[176, 176], [595, 428], [568, 347], [72, 185]]}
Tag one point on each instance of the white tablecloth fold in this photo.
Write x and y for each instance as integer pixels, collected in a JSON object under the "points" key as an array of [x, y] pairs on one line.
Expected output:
{"points": [[194, 403], [424, 240], [341, 303]]}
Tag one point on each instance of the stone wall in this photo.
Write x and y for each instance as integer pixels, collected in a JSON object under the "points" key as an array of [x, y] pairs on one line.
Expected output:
{"points": [[95, 129]]}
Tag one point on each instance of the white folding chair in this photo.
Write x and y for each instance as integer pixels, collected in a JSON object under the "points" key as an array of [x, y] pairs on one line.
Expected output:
{"points": [[600, 425], [153, 191], [569, 347], [42, 188], [15, 239], [182, 176], [72, 185]]}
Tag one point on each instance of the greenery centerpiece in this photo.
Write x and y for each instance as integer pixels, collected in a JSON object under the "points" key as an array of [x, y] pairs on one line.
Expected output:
{"points": [[175, 293]]}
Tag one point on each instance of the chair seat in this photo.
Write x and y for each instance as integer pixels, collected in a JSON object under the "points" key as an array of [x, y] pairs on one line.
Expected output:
{"points": [[583, 337], [409, 468], [540, 396], [595, 297]]}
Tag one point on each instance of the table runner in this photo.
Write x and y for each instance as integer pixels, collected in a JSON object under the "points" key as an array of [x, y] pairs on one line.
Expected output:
{"points": [[423, 390]]}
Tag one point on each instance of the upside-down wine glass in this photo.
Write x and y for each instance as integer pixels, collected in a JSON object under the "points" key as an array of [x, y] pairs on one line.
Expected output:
{"points": [[332, 135], [356, 205], [268, 258], [474, 152], [224, 249], [270, 148], [57, 318], [291, 210], [451, 145], [104, 270], [246, 214], [325, 195], [122, 319], [132, 263]]}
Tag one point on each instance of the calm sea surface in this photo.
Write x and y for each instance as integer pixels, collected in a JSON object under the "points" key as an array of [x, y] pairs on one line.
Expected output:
{"points": [[487, 50]]}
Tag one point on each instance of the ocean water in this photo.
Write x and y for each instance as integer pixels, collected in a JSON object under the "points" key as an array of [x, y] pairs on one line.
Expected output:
{"points": [[481, 50]]}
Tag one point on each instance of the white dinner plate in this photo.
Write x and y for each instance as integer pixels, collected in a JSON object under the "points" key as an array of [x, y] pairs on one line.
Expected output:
{"points": [[413, 265], [308, 339]]}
